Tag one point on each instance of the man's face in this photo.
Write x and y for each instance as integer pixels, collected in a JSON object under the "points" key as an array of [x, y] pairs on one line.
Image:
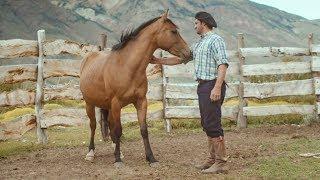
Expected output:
{"points": [[198, 26]]}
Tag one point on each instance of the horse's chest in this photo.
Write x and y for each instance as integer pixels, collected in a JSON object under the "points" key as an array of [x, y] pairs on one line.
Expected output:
{"points": [[135, 90]]}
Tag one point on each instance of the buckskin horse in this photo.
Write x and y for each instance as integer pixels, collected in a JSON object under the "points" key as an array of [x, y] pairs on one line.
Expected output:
{"points": [[114, 79]]}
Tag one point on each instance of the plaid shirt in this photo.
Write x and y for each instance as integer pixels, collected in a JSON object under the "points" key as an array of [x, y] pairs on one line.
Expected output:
{"points": [[208, 53]]}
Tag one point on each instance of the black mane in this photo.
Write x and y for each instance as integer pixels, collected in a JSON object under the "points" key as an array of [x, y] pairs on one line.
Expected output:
{"points": [[132, 34]]}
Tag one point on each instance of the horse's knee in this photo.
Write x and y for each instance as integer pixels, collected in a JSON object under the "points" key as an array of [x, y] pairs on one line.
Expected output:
{"points": [[115, 134], [144, 132], [118, 132]]}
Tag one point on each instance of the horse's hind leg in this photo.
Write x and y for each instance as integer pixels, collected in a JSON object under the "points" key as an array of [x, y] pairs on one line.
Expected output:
{"points": [[91, 114]]}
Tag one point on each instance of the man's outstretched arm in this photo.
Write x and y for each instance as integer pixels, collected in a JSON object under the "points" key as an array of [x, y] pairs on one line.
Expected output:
{"points": [[166, 61]]}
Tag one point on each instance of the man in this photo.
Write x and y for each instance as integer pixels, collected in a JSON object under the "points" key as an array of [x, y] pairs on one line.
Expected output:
{"points": [[210, 62]]}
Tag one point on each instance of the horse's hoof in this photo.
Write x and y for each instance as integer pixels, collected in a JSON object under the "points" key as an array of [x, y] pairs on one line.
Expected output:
{"points": [[118, 164], [154, 164], [89, 158]]}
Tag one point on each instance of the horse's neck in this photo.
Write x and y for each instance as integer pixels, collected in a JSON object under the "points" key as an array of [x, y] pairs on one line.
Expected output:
{"points": [[139, 52]]}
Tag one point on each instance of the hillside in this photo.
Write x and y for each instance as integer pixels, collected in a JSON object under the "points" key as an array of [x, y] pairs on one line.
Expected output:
{"points": [[22, 19], [84, 20]]}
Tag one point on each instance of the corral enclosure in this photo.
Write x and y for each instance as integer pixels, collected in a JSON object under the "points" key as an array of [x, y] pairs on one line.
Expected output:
{"points": [[164, 84]]}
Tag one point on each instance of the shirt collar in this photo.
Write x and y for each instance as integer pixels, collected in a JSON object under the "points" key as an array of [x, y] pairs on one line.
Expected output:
{"points": [[206, 34]]}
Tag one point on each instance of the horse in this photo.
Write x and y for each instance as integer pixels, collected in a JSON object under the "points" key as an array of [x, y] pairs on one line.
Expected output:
{"points": [[114, 79]]}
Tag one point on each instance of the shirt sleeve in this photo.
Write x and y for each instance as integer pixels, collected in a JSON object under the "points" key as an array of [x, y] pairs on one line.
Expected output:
{"points": [[221, 52]]}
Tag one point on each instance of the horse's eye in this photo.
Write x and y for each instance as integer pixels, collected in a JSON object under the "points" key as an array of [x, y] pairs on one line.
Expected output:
{"points": [[174, 31]]}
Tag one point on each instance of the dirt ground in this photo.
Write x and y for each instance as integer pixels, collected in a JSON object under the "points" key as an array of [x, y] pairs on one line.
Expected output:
{"points": [[177, 154]]}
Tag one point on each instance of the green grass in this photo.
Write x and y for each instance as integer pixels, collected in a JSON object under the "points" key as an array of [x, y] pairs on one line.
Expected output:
{"points": [[68, 103], [307, 99], [275, 119], [58, 137], [288, 164], [9, 115], [278, 77], [286, 168], [152, 105], [27, 85], [10, 148], [291, 59]]}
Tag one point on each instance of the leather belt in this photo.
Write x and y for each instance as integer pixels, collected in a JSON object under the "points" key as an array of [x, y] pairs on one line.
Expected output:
{"points": [[201, 81]]}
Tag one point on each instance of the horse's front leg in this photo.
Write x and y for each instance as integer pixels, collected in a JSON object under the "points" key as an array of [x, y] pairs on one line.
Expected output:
{"points": [[116, 129], [141, 106]]}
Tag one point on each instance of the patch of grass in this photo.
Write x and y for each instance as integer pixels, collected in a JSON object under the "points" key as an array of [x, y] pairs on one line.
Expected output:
{"points": [[285, 167], [10, 148], [278, 77], [58, 136], [152, 106], [6, 109], [299, 145], [131, 130], [282, 100], [27, 85], [276, 119], [68, 103], [288, 163], [182, 102], [52, 106], [15, 113], [231, 101], [186, 124], [291, 59], [14, 147], [307, 99], [71, 136], [228, 124], [9, 113]]}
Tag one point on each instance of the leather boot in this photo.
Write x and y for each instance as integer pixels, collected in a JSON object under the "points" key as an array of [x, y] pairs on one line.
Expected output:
{"points": [[211, 158], [220, 157]]}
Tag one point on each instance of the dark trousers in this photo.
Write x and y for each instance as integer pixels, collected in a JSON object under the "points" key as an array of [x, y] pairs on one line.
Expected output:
{"points": [[210, 112]]}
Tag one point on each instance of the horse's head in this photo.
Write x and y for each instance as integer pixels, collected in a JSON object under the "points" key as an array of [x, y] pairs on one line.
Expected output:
{"points": [[169, 39]]}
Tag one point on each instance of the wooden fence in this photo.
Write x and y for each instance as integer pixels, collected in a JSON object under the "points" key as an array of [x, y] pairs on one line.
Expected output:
{"points": [[46, 68]]}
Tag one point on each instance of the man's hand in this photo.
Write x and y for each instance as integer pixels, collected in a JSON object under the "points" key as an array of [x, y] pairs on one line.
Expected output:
{"points": [[155, 60], [215, 93]]}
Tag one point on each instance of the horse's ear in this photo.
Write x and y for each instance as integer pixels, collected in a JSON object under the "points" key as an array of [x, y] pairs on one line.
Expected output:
{"points": [[165, 15]]}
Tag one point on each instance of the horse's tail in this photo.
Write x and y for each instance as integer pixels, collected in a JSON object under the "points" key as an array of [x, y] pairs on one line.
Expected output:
{"points": [[104, 124]]}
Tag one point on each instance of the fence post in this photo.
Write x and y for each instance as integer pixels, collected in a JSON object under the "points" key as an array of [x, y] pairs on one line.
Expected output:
{"points": [[103, 38], [316, 76], [42, 137], [167, 122], [242, 120]]}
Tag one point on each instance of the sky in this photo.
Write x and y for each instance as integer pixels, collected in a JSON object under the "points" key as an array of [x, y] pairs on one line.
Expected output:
{"points": [[309, 9]]}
